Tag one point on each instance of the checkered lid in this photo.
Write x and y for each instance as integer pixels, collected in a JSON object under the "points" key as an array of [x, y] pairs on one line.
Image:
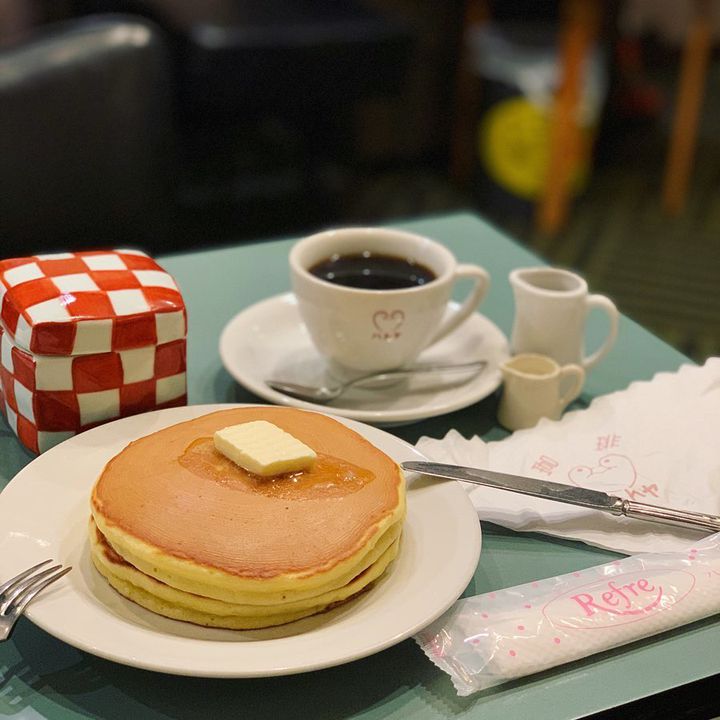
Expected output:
{"points": [[85, 302]]}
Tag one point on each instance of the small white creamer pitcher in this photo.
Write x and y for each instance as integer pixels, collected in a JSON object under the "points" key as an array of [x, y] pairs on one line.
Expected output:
{"points": [[551, 309], [535, 386]]}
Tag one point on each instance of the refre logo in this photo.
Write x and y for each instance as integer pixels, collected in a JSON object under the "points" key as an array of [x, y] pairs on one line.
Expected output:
{"points": [[625, 598]]}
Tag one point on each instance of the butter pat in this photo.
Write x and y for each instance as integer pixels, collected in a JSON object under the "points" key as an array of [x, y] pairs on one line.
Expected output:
{"points": [[263, 448]]}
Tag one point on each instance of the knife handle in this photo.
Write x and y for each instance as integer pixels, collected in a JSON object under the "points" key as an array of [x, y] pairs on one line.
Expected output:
{"points": [[642, 511]]}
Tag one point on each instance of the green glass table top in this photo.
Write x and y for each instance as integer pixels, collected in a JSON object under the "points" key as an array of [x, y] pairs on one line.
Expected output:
{"points": [[42, 677]]}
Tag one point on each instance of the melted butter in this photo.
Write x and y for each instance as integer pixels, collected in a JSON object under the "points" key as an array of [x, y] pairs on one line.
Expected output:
{"points": [[329, 476]]}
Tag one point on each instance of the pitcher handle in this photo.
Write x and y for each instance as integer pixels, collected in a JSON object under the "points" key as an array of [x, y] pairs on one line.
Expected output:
{"points": [[577, 375], [608, 306]]}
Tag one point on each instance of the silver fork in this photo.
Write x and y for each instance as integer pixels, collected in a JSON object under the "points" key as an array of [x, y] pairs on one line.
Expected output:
{"points": [[17, 592]]}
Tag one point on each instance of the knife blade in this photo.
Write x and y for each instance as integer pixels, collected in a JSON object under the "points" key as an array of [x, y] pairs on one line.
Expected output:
{"points": [[569, 494]]}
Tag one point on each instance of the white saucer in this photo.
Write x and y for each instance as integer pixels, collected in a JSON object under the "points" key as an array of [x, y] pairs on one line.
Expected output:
{"points": [[269, 340]]}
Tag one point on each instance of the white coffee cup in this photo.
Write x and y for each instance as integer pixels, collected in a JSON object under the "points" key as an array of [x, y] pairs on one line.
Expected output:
{"points": [[551, 309], [368, 330], [534, 387]]}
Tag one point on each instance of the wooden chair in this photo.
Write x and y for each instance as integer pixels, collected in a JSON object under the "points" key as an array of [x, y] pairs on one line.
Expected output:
{"points": [[579, 32], [580, 26], [691, 88]]}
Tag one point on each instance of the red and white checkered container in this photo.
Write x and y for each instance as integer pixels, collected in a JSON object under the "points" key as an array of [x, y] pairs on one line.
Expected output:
{"points": [[85, 338]]}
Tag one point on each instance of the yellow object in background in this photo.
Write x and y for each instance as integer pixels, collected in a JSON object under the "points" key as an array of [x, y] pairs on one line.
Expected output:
{"points": [[514, 144]]}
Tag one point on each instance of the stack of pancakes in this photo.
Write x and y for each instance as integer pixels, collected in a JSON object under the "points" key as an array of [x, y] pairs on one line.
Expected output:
{"points": [[185, 532]]}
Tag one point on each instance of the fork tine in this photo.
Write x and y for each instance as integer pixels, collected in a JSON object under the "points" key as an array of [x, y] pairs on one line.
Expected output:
{"points": [[19, 587], [31, 591], [21, 576]]}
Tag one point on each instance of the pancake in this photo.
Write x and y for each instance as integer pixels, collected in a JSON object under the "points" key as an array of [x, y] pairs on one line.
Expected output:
{"points": [[177, 604], [185, 532]]}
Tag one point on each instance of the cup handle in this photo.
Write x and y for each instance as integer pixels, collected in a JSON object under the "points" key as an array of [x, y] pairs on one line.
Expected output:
{"points": [[608, 306], [577, 376], [475, 297]]}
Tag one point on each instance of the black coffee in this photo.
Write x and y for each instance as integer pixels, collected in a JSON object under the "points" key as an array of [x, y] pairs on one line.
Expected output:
{"points": [[373, 271]]}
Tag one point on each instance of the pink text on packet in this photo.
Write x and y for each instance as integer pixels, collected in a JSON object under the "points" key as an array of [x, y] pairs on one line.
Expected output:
{"points": [[619, 599], [624, 598]]}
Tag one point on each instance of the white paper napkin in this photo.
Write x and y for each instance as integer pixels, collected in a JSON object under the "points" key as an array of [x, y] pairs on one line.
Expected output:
{"points": [[657, 442]]}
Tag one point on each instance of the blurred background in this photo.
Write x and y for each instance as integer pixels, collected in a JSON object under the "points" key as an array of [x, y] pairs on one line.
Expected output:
{"points": [[587, 130]]}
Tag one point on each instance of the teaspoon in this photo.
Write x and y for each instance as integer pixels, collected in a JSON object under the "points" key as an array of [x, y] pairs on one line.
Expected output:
{"points": [[327, 393]]}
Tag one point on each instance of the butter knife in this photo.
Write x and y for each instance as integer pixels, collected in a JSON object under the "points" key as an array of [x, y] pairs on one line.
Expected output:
{"points": [[584, 497]]}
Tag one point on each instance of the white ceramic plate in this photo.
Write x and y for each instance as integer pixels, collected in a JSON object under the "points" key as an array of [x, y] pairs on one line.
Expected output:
{"points": [[269, 340], [44, 513]]}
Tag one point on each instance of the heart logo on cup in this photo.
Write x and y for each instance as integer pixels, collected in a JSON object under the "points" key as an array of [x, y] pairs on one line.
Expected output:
{"points": [[387, 324]]}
